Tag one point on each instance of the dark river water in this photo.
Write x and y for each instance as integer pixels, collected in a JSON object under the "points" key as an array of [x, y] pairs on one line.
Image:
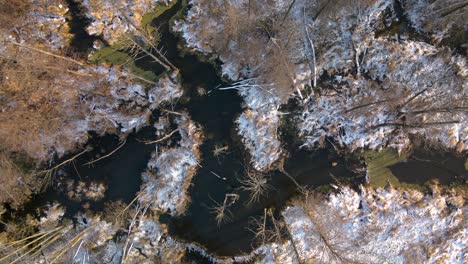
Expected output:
{"points": [[216, 112], [423, 166]]}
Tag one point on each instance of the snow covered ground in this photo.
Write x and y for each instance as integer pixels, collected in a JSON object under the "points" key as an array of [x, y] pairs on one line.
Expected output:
{"points": [[410, 89], [101, 98], [170, 170], [258, 124], [119, 19], [373, 226], [45, 25], [380, 226], [112, 102], [372, 76]]}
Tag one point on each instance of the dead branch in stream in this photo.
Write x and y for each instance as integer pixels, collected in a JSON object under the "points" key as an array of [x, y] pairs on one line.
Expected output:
{"points": [[220, 150], [283, 171], [163, 138], [162, 60], [266, 227], [366, 105], [221, 211], [49, 172], [134, 45], [417, 125], [256, 184], [260, 227], [107, 155], [40, 241], [311, 43]]}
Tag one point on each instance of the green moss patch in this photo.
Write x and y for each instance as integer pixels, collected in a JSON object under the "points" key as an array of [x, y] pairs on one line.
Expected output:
{"points": [[377, 167], [113, 56], [155, 13], [181, 12]]}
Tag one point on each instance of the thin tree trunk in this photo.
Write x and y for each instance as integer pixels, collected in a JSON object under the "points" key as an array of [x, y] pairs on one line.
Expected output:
{"points": [[290, 236], [287, 12], [366, 105], [454, 8], [167, 64], [413, 97], [418, 125], [47, 53], [438, 110], [313, 56]]}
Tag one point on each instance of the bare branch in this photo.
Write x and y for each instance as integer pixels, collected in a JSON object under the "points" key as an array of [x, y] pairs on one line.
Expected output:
{"points": [[64, 162], [313, 54], [413, 97], [105, 156], [47, 53], [366, 105], [417, 125], [288, 11], [163, 138]]}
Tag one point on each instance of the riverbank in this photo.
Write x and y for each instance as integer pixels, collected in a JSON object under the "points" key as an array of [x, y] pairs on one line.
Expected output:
{"points": [[206, 170]]}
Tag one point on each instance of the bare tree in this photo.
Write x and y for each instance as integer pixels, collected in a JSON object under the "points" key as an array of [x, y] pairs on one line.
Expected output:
{"points": [[256, 184], [221, 210], [333, 246]]}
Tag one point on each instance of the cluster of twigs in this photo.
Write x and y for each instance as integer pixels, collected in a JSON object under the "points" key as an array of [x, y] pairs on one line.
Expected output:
{"points": [[256, 184], [221, 211]]}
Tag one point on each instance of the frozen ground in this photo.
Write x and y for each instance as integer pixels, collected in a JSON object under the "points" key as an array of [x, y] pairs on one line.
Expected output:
{"points": [[170, 170], [86, 98], [379, 90]]}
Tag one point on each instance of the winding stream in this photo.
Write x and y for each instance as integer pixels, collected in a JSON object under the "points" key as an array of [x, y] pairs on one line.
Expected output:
{"points": [[216, 111]]}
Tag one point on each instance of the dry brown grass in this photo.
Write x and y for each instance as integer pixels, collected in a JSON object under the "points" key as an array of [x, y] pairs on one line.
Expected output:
{"points": [[16, 185], [117, 213], [11, 10], [40, 95], [268, 45], [326, 223], [267, 228]]}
